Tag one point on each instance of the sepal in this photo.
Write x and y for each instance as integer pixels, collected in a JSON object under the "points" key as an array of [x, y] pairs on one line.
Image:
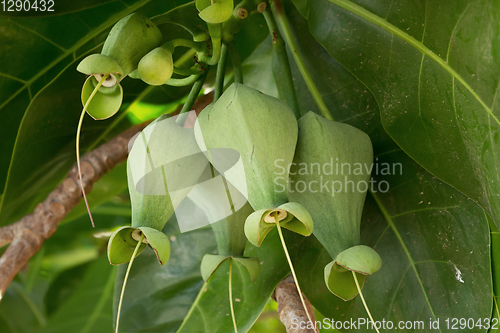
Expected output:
{"points": [[338, 274]]}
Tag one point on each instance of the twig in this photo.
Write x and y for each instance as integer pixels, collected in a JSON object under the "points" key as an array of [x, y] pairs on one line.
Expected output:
{"points": [[27, 235], [292, 313]]}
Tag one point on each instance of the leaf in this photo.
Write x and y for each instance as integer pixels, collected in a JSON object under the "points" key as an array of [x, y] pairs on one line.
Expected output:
{"points": [[434, 80], [495, 262], [210, 311], [90, 307], [434, 245], [15, 301]]}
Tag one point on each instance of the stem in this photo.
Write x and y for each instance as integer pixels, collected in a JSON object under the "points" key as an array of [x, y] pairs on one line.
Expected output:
{"points": [[231, 294], [235, 59], [363, 300], [186, 43], [183, 82], [287, 33], [78, 131], [193, 95], [291, 268], [280, 50], [221, 71], [125, 280]]}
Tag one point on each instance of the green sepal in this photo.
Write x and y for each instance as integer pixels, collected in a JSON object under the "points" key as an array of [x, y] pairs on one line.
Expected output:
{"points": [[99, 64], [121, 246], [255, 229], [105, 103], [159, 242], [134, 74], [301, 223], [340, 281], [211, 262], [156, 67], [252, 265], [297, 220], [361, 259], [217, 11]]}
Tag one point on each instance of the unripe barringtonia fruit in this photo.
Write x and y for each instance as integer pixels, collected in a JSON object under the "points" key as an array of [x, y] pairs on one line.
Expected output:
{"points": [[156, 67], [336, 214], [129, 40], [164, 164]]}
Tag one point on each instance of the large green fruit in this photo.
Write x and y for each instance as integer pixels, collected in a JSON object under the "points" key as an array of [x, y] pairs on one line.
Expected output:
{"points": [[163, 166], [246, 134], [340, 156]]}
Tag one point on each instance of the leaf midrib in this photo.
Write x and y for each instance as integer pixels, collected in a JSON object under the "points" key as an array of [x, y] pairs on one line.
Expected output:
{"points": [[390, 222], [371, 17]]}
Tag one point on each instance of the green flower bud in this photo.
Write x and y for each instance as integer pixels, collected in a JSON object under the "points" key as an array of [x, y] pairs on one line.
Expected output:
{"points": [[156, 67]]}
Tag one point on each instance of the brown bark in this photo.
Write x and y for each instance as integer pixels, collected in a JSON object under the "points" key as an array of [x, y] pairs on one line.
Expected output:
{"points": [[27, 235], [290, 308]]}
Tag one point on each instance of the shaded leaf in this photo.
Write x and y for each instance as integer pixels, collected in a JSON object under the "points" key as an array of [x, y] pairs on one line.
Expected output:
{"points": [[210, 311], [434, 80]]}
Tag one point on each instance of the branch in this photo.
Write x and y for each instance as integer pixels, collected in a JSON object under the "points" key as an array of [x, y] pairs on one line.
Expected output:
{"points": [[27, 235], [290, 308]]}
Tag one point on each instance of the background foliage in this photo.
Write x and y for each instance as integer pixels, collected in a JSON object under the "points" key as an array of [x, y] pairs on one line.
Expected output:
{"points": [[421, 78]]}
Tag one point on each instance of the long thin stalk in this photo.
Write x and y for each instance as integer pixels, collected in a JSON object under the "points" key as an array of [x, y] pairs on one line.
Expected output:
{"points": [[287, 255], [231, 294], [78, 131], [235, 59], [134, 254], [221, 71], [284, 63], [287, 33], [363, 300]]}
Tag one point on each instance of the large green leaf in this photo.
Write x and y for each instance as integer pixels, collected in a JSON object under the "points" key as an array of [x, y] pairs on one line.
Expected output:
{"points": [[435, 248], [346, 97], [434, 70]]}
